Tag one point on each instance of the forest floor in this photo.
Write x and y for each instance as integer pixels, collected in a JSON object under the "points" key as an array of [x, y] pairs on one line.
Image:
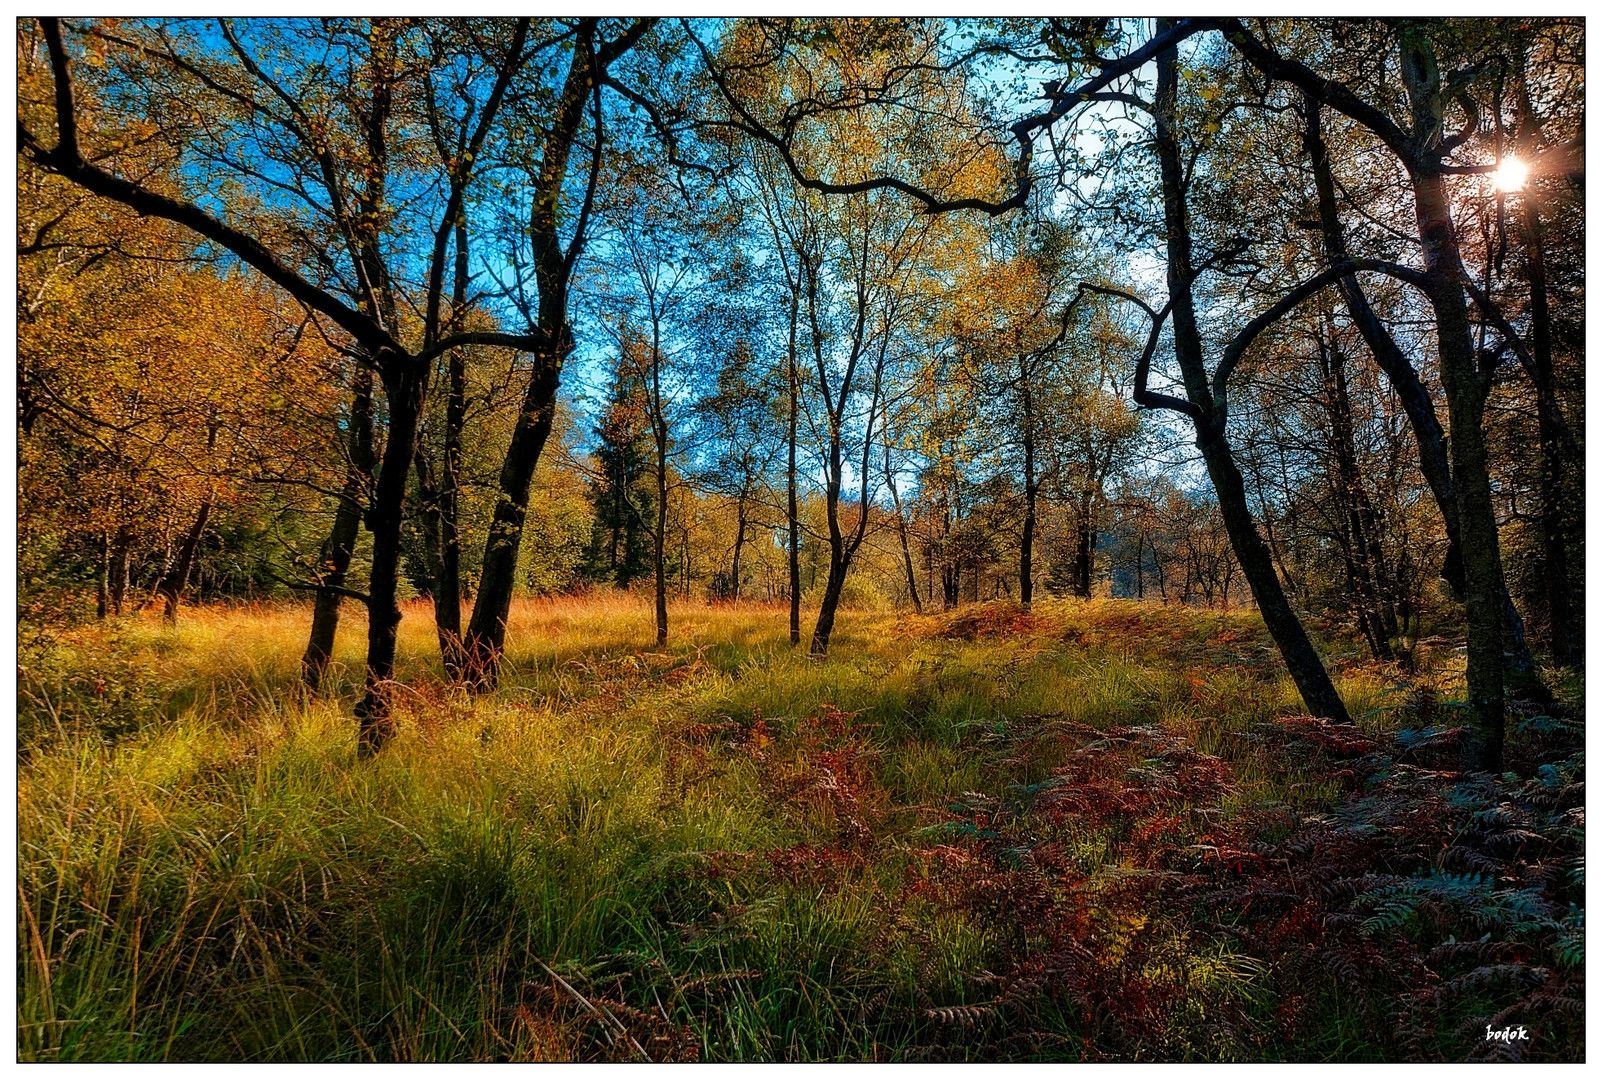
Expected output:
{"points": [[1100, 830]]}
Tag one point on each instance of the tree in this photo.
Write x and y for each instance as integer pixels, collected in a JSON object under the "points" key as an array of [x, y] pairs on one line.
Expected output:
{"points": [[353, 149], [542, 269], [622, 499], [1423, 146]]}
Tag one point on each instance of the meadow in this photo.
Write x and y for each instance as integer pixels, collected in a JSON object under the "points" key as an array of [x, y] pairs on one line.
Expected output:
{"points": [[1093, 831]]}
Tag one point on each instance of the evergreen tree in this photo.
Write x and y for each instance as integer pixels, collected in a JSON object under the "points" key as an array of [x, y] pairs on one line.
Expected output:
{"points": [[620, 545]]}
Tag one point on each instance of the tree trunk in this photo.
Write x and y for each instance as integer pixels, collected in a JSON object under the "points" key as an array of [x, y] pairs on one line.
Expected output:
{"points": [[448, 587], [831, 603], [1302, 660], [1084, 550], [1306, 669], [121, 550], [1561, 634], [486, 629], [839, 557], [103, 578], [1466, 390], [793, 508], [901, 531], [1420, 408], [659, 548], [171, 586], [405, 390], [333, 561], [739, 545], [1026, 543]]}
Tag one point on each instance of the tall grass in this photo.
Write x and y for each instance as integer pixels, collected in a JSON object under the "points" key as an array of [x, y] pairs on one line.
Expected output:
{"points": [[718, 850]]}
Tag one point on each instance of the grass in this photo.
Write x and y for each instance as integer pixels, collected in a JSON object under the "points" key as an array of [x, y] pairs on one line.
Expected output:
{"points": [[718, 850]]}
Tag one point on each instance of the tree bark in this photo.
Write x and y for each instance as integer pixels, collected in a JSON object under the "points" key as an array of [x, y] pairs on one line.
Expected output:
{"points": [[739, 546], [1302, 660], [103, 578], [171, 586], [839, 558], [901, 531], [333, 561], [1026, 543], [448, 589], [121, 550], [405, 389], [1467, 387], [486, 629], [1084, 548], [1563, 640], [791, 501]]}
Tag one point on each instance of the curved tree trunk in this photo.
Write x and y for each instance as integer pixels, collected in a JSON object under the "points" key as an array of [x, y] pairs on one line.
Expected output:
{"points": [[1433, 454], [171, 586], [1301, 659]]}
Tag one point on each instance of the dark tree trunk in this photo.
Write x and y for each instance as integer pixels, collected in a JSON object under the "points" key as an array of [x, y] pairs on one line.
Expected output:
{"points": [[1084, 550], [1302, 660], [485, 641], [739, 546], [839, 556], [405, 389], [831, 603], [103, 578], [1484, 591], [1026, 543], [1563, 639], [333, 561], [486, 630], [659, 547], [792, 504], [1466, 389], [171, 586]]}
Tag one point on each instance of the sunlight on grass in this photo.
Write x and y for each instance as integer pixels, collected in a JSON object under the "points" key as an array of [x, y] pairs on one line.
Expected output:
{"points": [[721, 838]]}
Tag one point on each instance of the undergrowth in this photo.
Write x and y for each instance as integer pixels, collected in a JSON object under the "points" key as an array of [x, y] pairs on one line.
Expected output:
{"points": [[1097, 831]]}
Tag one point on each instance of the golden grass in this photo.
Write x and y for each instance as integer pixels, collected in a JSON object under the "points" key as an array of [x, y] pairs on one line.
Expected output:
{"points": [[207, 870]]}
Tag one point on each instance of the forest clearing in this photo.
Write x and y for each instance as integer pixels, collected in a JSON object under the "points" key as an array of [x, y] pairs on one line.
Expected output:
{"points": [[1100, 831], [585, 538]]}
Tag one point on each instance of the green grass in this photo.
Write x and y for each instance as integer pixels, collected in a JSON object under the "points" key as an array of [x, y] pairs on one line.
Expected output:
{"points": [[623, 852]]}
